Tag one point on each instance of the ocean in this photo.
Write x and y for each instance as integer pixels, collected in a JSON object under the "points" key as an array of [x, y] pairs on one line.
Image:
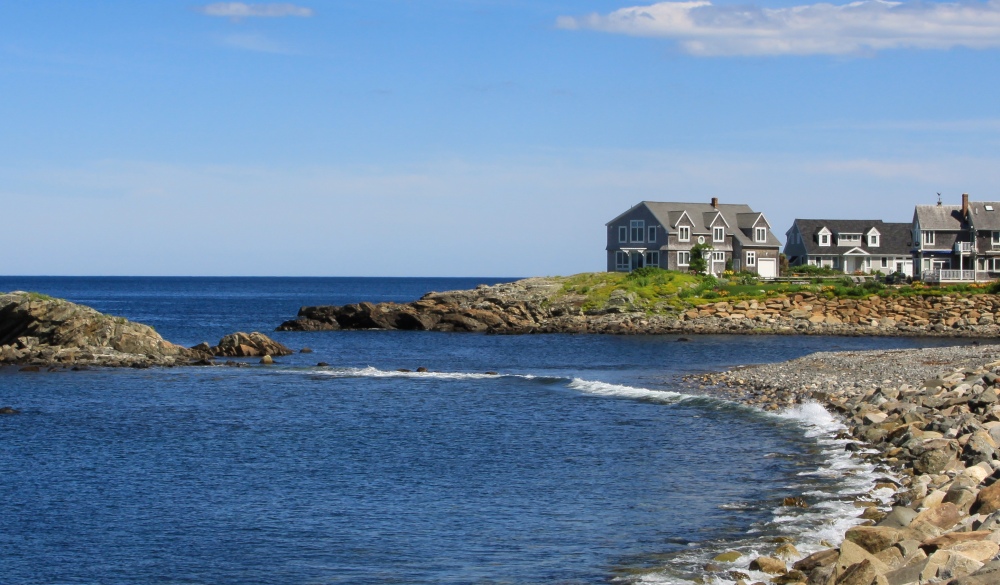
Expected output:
{"points": [[584, 460]]}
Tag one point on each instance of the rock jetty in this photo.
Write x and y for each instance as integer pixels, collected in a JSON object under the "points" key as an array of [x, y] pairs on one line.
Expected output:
{"points": [[933, 416], [542, 305], [39, 331]]}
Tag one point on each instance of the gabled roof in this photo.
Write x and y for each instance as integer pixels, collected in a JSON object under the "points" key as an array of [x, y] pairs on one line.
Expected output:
{"points": [[750, 220], [983, 218], [894, 238], [701, 216], [939, 217]]}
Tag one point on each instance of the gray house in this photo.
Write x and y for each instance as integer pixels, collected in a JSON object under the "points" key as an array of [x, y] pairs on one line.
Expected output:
{"points": [[851, 245], [957, 242], [661, 234]]}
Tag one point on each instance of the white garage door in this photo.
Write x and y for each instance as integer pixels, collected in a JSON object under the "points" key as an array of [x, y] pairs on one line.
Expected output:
{"points": [[767, 267]]}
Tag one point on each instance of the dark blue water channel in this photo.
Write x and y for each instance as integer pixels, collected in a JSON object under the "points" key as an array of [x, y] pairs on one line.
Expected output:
{"points": [[579, 463]]}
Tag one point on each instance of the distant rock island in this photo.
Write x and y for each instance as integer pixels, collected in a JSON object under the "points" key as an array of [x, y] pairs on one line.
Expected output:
{"points": [[668, 303], [38, 330]]}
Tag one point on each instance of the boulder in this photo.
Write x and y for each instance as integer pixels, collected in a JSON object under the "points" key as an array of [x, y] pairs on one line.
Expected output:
{"points": [[249, 345], [769, 565], [862, 573], [873, 538], [988, 500]]}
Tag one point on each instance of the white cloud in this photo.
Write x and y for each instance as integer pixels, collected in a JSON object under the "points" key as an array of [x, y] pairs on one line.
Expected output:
{"points": [[238, 10], [704, 29]]}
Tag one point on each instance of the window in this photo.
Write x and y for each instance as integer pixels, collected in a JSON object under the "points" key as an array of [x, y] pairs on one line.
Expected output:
{"points": [[824, 239], [719, 256], [848, 239], [760, 234], [621, 261], [683, 258], [718, 234], [652, 258], [996, 239], [638, 226], [872, 241], [684, 233], [622, 234], [751, 258], [652, 234], [885, 262], [928, 238]]}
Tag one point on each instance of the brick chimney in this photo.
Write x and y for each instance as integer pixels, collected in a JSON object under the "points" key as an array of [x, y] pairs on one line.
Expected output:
{"points": [[965, 204], [715, 202]]}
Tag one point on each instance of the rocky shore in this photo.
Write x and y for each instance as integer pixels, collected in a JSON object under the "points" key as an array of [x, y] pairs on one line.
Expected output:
{"points": [[932, 416], [37, 331], [542, 305]]}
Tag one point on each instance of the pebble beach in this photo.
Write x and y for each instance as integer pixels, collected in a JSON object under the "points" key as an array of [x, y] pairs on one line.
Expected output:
{"points": [[932, 417]]}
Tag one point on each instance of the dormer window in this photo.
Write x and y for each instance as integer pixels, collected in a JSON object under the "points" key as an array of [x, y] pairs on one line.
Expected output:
{"points": [[823, 238], [848, 239], [684, 233], [638, 226], [873, 238], [718, 234], [760, 234]]}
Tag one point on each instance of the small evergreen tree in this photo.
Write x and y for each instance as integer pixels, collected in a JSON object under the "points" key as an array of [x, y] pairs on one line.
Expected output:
{"points": [[698, 264]]}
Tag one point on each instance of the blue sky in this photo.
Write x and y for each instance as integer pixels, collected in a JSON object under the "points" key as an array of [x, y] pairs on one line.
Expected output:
{"points": [[468, 137]]}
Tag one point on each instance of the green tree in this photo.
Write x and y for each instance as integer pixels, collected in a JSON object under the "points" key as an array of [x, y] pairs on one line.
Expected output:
{"points": [[698, 263]]}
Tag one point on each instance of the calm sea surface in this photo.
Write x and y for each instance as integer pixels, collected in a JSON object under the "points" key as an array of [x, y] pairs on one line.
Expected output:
{"points": [[579, 463]]}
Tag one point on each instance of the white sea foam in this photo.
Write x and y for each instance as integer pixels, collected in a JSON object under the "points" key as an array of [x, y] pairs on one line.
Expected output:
{"points": [[371, 372], [618, 390]]}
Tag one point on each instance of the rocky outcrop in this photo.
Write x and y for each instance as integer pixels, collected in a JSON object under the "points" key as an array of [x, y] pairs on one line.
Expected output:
{"points": [[540, 305], [933, 415], [248, 345], [42, 331], [38, 331]]}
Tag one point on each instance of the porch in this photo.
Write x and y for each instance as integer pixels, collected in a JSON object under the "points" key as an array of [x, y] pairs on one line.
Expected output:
{"points": [[945, 276]]}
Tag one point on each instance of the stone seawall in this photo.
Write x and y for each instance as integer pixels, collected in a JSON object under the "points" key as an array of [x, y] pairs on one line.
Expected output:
{"points": [[540, 305]]}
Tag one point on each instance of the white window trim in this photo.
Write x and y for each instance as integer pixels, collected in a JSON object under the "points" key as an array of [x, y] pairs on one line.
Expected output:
{"points": [[718, 234], [824, 239], [751, 258], [620, 265], [760, 234], [872, 241], [637, 226], [928, 238], [683, 258], [684, 233], [718, 256]]}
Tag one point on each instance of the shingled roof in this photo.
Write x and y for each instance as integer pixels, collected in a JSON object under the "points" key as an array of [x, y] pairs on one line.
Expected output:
{"points": [[739, 218], [939, 217], [895, 238]]}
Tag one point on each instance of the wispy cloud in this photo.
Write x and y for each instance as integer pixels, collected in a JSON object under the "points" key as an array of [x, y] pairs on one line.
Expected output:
{"points": [[704, 29], [238, 10]]}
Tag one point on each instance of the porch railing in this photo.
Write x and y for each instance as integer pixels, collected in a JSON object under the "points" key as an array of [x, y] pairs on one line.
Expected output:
{"points": [[955, 276]]}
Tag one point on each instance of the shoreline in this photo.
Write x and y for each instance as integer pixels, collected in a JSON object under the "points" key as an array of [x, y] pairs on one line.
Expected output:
{"points": [[545, 305], [932, 417]]}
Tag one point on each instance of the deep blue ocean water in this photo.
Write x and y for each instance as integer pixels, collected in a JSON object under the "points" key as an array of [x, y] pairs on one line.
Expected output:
{"points": [[580, 463]]}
